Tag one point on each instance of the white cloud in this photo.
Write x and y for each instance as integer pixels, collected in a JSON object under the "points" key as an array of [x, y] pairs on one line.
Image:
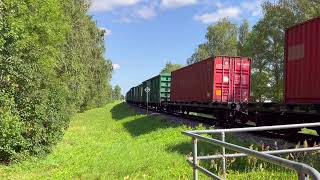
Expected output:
{"points": [[146, 12], [116, 66], [107, 32], [208, 18], [108, 5], [177, 3], [254, 7]]}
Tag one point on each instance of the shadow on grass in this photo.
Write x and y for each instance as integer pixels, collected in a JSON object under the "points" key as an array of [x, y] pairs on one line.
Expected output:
{"points": [[122, 111], [185, 148], [147, 125]]}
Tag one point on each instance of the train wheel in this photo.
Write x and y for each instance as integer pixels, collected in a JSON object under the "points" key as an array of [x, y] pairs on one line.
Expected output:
{"points": [[243, 119], [231, 119]]}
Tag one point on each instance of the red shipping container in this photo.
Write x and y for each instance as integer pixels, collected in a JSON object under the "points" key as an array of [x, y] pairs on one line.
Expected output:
{"points": [[217, 79], [302, 63]]}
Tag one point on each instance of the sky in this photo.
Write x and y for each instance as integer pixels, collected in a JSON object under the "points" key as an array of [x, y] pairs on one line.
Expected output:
{"points": [[142, 35]]}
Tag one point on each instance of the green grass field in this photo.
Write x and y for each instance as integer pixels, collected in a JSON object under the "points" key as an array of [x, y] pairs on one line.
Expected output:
{"points": [[115, 142]]}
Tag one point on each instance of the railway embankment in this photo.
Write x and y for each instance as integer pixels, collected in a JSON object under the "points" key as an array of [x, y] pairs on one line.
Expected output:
{"points": [[119, 142]]}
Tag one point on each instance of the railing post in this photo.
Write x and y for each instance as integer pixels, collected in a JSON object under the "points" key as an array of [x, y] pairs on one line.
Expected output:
{"points": [[195, 158], [223, 139], [302, 176]]}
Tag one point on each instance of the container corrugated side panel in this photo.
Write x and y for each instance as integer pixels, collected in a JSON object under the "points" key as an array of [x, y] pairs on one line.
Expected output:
{"points": [[132, 94], [154, 89], [232, 79], [159, 88], [136, 94], [164, 86], [218, 79], [302, 65], [129, 95], [193, 83], [222, 77]]}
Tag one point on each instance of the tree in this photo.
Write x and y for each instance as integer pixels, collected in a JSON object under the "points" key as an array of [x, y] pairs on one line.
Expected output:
{"points": [[169, 67], [243, 36], [117, 93], [302, 9], [222, 38], [272, 30], [51, 65], [201, 53]]}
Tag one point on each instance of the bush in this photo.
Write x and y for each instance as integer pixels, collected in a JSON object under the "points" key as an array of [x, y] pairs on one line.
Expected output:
{"points": [[51, 66], [11, 129]]}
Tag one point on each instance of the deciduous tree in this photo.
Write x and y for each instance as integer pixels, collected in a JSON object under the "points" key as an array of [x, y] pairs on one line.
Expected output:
{"points": [[117, 93], [169, 67]]}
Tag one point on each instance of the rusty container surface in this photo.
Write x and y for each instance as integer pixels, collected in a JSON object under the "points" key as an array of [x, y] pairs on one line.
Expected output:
{"points": [[217, 79], [302, 63]]}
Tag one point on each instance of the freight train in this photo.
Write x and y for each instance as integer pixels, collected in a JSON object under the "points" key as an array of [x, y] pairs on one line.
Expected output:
{"points": [[220, 86]]}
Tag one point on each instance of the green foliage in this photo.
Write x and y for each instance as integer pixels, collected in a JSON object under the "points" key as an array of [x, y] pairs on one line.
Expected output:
{"points": [[201, 53], [170, 67], [11, 140], [221, 40], [117, 93], [243, 37], [51, 66], [271, 29], [302, 9], [260, 87]]}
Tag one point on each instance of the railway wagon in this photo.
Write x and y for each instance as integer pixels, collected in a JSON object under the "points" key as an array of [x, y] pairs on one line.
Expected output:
{"points": [[302, 63], [130, 95], [217, 86], [217, 79], [159, 90], [137, 99]]}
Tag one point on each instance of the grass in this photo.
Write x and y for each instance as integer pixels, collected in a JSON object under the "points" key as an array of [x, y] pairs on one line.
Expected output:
{"points": [[309, 131], [115, 142]]}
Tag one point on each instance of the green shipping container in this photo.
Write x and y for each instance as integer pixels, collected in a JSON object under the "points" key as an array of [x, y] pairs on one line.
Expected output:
{"points": [[159, 89]]}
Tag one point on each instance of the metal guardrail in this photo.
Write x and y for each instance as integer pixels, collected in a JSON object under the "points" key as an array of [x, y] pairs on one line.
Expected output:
{"points": [[304, 171]]}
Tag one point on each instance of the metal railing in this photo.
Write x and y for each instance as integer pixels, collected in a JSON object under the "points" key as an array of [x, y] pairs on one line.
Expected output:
{"points": [[304, 171]]}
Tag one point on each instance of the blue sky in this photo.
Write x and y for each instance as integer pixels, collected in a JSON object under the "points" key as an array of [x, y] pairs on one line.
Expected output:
{"points": [[142, 35]]}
